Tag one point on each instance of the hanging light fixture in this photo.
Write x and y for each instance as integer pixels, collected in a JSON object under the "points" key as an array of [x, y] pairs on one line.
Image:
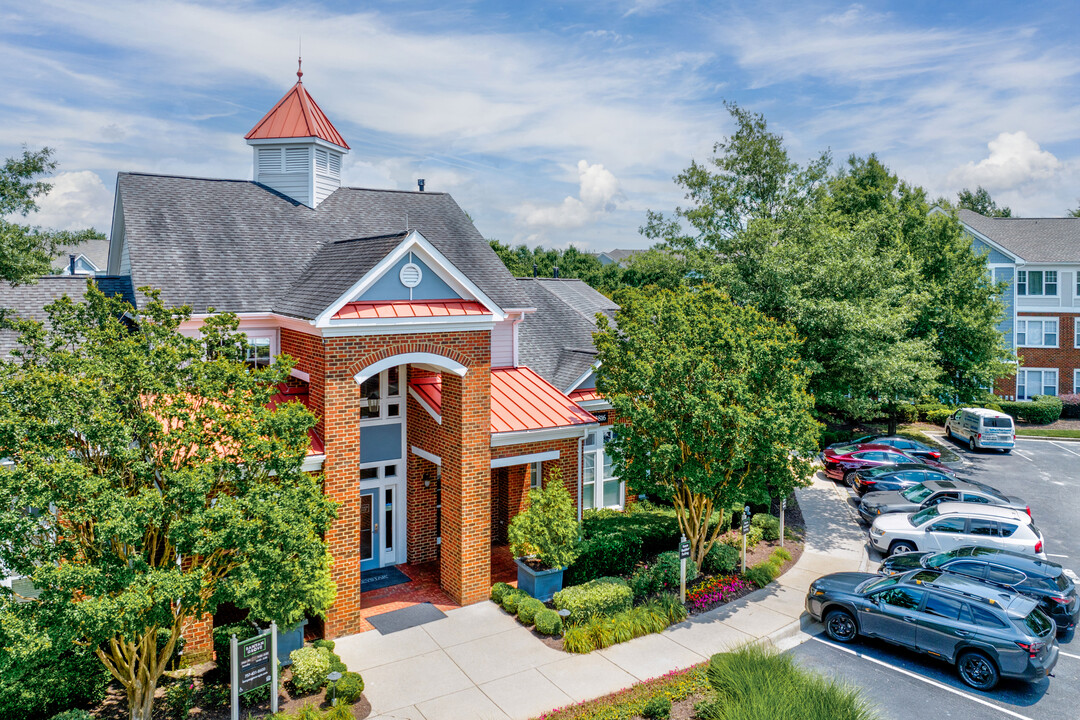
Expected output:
{"points": [[373, 403]]}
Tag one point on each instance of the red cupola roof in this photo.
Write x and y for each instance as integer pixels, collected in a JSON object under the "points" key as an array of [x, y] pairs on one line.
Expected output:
{"points": [[296, 115]]}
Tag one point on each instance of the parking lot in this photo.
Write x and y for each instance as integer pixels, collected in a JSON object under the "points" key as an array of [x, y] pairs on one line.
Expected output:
{"points": [[904, 684]]}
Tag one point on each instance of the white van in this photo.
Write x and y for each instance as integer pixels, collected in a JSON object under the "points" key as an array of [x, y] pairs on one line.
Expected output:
{"points": [[982, 428]]}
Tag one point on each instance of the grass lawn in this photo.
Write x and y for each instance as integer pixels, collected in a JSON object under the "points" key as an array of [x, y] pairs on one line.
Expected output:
{"points": [[1047, 432]]}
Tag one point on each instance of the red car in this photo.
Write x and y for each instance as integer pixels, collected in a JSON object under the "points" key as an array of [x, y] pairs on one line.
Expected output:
{"points": [[840, 461]]}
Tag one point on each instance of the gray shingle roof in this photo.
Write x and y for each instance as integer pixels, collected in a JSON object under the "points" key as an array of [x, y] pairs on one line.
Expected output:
{"points": [[239, 246], [556, 341], [1032, 239], [96, 251], [29, 301]]}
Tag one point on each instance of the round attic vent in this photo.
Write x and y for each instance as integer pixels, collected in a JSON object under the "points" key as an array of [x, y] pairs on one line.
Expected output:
{"points": [[410, 275]]}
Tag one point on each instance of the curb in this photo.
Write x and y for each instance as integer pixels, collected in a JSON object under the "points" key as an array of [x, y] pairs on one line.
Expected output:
{"points": [[805, 625], [1048, 437]]}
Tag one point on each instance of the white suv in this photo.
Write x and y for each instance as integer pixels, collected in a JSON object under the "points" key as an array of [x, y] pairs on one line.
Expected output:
{"points": [[943, 527]]}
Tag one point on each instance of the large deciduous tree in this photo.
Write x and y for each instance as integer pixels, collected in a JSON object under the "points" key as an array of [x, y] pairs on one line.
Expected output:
{"points": [[980, 201], [714, 397], [151, 481], [27, 251]]}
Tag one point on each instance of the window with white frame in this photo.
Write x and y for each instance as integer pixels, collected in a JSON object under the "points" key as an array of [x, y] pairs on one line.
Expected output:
{"points": [[382, 399], [259, 351], [535, 470], [1076, 381], [1037, 332], [1035, 381], [600, 488], [1076, 324], [1036, 282]]}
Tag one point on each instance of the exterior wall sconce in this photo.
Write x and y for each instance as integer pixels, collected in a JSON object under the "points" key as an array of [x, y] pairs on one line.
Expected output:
{"points": [[373, 403], [427, 480]]}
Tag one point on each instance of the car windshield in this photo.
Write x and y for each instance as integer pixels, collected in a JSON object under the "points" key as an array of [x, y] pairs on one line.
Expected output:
{"points": [[845, 449], [998, 422], [878, 583], [917, 493], [1037, 623], [917, 519], [939, 559]]}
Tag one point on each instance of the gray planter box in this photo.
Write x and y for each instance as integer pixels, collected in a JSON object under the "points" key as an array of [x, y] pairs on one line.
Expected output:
{"points": [[540, 584], [289, 640]]}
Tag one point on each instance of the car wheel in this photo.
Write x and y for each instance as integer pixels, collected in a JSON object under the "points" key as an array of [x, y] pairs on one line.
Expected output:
{"points": [[840, 626], [971, 443], [849, 479], [1006, 451], [900, 547], [977, 670]]}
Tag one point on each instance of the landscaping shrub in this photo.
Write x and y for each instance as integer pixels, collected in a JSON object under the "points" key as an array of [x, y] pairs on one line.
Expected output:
{"points": [[527, 610], [720, 559], [73, 715], [756, 682], [179, 699], [603, 596], [310, 668], [672, 607], [601, 631], [1070, 405], [40, 675], [649, 618], [782, 553], [938, 417], [831, 437], [666, 569], [548, 622], [1041, 410], [547, 529], [578, 639], [769, 525], [609, 553], [656, 526], [512, 598], [754, 536], [323, 643], [498, 590], [215, 695], [657, 708], [761, 574], [644, 583], [350, 687], [220, 635]]}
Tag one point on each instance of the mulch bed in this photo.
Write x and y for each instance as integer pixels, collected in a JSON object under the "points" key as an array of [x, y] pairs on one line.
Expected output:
{"points": [[114, 707]]}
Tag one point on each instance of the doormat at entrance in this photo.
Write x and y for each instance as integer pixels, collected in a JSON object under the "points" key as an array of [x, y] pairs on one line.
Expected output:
{"points": [[381, 578], [406, 618]]}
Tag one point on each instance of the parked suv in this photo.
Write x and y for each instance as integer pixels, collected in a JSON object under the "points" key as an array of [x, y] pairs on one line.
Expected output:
{"points": [[949, 525], [934, 492], [987, 632], [1046, 581], [982, 428]]}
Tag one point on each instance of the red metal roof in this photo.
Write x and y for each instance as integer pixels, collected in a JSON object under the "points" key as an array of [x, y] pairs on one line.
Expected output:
{"points": [[520, 400], [585, 395], [296, 115], [408, 309]]}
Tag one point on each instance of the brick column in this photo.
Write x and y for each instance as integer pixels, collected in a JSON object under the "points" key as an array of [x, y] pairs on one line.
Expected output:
{"points": [[198, 640], [465, 561]]}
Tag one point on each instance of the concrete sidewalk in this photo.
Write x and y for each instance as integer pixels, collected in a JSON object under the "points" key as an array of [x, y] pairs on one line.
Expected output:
{"points": [[480, 663]]}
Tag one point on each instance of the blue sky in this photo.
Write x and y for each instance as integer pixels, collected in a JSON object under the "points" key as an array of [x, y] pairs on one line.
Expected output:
{"points": [[550, 123]]}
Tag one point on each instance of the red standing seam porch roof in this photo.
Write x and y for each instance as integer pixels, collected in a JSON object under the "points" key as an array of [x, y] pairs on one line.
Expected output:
{"points": [[409, 309], [585, 395], [296, 115], [520, 400]]}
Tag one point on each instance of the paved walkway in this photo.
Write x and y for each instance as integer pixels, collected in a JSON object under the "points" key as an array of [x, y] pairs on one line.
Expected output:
{"points": [[479, 663]]}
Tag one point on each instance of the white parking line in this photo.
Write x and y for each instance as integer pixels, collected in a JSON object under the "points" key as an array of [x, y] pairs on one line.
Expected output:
{"points": [[928, 681], [1062, 652], [1065, 448], [1053, 555]]}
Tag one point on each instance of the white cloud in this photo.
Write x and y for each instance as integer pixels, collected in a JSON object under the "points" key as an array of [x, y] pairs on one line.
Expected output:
{"points": [[597, 194], [78, 200], [1015, 159]]}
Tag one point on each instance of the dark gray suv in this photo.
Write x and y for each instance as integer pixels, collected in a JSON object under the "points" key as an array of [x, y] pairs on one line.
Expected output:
{"points": [[934, 492], [986, 631]]}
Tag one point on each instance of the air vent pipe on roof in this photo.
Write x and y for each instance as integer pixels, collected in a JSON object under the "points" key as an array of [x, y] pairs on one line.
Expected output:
{"points": [[556, 276], [420, 184], [536, 270]]}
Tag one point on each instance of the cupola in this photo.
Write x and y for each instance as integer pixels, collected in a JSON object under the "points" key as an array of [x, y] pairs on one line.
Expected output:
{"points": [[297, 150]]}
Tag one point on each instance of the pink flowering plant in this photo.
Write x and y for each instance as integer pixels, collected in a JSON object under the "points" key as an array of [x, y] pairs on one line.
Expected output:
{"points": [[715, 591]]}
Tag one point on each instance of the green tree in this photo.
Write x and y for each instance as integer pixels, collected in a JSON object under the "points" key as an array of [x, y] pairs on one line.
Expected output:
{"points": [[571, 262], [548, 528], [981, 202], [1075, 212], [151, 482], [715, 398], [27, 252]]}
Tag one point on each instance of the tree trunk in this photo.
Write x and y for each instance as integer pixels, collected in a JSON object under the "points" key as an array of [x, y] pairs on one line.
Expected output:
{"points": [[141, 700], [892, 425], [694, 512], [138, 665]]}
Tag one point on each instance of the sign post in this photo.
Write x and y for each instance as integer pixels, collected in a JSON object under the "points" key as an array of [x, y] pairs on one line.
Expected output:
{"points": [[684, 553], [745, 532], [254, 664], [783, 512]]}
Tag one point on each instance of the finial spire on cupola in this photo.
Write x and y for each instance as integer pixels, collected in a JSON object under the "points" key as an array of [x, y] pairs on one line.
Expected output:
{"points": [[298, 151]]}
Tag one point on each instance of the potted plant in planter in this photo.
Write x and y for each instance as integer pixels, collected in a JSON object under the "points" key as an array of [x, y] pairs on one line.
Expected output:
{"points": [[543, 538]]}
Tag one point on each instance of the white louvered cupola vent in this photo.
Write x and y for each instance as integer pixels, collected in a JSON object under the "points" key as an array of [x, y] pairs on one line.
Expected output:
{"points": [[296, 160], [269, 160]]}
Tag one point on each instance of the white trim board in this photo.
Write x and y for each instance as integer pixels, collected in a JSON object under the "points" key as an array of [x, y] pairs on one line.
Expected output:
{"points": [[313, 463], [517, 437], [414, 358], [525, 459], [430, 457], [430, 410]]}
